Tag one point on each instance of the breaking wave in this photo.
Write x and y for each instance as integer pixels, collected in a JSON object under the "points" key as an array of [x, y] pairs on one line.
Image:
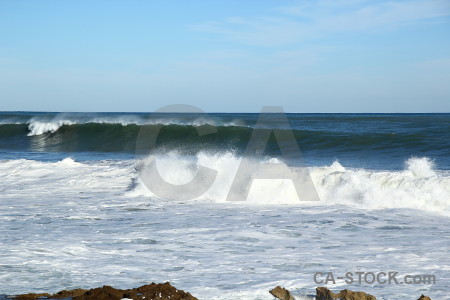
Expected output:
{"points": [[39, 127], [418, 186], [105, 134]]}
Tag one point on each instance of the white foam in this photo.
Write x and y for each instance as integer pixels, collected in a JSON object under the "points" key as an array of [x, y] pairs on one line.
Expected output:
{"points": [[41, 125], [418, 186], [71, 224], [176, 169], [66, 176], [420, 167]]}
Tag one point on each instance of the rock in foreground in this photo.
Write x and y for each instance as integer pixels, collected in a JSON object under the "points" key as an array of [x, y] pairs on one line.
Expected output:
{"points": [[322, 293], [154, 291], [281, 293]]}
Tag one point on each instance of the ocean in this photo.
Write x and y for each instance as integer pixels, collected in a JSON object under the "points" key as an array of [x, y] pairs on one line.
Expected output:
{"points": [[76, 211]]}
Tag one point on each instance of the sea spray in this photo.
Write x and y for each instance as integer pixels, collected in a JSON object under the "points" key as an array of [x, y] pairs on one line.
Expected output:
{"points": [[362, 188]]}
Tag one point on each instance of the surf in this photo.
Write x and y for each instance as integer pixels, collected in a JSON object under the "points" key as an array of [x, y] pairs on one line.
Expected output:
{"points": [[418, 186]]}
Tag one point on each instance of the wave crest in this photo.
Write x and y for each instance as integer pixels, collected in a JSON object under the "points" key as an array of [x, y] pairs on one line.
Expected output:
{"points": [[42, 127], [418, 186], [420, 167], [39, 126], [335, 184]]}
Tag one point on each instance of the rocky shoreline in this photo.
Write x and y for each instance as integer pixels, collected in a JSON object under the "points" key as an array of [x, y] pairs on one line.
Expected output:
{"points": [[165, 291], [322, 293], [153, 291]]}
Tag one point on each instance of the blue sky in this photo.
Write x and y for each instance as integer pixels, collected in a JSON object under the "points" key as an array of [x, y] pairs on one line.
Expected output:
{"points": [[225, 56]]}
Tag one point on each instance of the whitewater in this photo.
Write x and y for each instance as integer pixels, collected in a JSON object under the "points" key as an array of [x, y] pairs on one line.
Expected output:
{"points": [[81, 224]]}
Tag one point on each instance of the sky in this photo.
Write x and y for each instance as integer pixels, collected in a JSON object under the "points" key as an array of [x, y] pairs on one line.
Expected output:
{"points": [[225, 56]]}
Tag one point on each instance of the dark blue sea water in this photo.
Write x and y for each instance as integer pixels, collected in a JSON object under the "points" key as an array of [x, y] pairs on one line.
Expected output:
{"points": [[376, 141]]}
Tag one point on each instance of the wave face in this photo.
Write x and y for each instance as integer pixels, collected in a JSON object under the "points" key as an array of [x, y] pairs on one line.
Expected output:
{"points": [[368, 140]]}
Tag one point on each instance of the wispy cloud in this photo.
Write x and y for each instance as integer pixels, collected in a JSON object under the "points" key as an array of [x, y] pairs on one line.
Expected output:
{"points": [[313, 19]]}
